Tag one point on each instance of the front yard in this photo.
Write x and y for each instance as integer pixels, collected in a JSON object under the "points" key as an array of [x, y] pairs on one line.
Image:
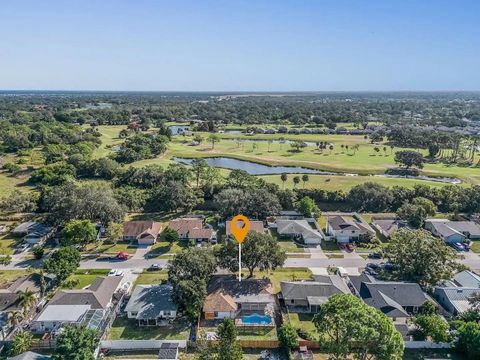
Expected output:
{"points": [[125, 329], [283, 274], [9, 276], [84, 278], [151, 277]]}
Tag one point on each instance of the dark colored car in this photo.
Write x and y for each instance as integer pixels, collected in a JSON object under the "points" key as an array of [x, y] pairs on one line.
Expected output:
{"points": [[375, 255]]}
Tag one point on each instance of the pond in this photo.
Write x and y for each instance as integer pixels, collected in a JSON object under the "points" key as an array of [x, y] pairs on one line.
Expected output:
{"points": [[254, 168]]}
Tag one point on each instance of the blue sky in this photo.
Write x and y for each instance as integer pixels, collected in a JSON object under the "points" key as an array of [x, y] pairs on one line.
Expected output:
{"points": [[256, 45]]}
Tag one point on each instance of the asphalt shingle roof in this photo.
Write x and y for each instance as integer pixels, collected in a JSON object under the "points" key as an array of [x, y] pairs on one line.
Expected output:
{"points": [[149, 300]]}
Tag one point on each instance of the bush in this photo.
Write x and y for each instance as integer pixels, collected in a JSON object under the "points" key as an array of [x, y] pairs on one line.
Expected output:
{"points": [[288, 336], [70, 284], [38, 252]]}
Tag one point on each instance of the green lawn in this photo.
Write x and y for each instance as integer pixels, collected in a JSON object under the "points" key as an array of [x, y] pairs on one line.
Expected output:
{"points": [[151, 277], [283, 274], [126, 329], [110, 248], [475, 246], [304, 323], [9, 276], [87, 277], [9, 183]]}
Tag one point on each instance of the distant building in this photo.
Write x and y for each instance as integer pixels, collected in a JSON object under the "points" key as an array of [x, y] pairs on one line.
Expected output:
{"points": [[255, 225], [453, 231], [33, 232], [152, 305], [300, 230], [191, 228], [145, 232]]}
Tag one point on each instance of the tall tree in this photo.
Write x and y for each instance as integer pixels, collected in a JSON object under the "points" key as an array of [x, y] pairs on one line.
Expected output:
{"points": [[63, 262], [284, 178], [26, 299], [420, 257], [349, 326], [76, 343], [78, 232], [214, 138], [228, 348], [305, 179], [259, 251]]}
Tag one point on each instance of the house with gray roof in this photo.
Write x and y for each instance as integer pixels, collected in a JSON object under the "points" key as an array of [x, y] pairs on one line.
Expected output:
{"points": [[301, 230], [30, 355], [33, 232], [453, 231], [398, 300], [387, 227], [347, 227], [152, 305], [87, 307], [455, 295], [307, 296]]}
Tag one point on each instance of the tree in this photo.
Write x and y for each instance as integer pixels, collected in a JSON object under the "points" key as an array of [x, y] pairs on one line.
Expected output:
{"points": [[298, 145], [78, 232], [287, 336], [174, 196], [88, 202], [214, 138], [189, 273], [76, 343], [19, 201], [296, 181], [307, 207], [419, 256], [198, 166], [63, 262], [370, 196], [230, 201], [349, 326], [228, 348], [22, 343], [259, 251], [468, 340], [171, 235], [114, 232], [38, 252], [433, 326], [305, 179], [417, 211], [409, 158], [284, 178], [26, 298], [5, 259]]}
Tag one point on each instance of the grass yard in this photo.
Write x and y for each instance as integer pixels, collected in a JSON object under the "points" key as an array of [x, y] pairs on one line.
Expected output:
{"points": [[283, 274], [7, 244], [151, 277], [125, 329], [9, 183], [9, 276], [111, 248], [86, 277], [304, 323], [475, 247], [164, 247]]}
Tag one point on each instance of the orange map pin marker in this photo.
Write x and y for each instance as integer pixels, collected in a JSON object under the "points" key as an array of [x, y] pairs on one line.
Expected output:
{"points": [[240, 232]]}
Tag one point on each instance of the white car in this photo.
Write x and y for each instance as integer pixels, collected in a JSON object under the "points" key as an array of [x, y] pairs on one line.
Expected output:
{"points": [[115, 272]]}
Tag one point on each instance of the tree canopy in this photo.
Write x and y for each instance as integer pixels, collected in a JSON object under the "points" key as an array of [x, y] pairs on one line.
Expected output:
{"points": [[63, 262]]}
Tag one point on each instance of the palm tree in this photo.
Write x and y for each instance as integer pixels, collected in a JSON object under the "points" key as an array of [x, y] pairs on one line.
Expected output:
{"points": [[269, 143], [284, 177], [213, 139], [22, 343], [296, 181], [305, 178], [15, 318], [26, 299], [330, 148]]}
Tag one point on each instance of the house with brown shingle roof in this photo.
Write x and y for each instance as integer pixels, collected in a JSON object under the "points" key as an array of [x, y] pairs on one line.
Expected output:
{"points": [[255, 225], [192, 228], [228, 297], [145, 232]]}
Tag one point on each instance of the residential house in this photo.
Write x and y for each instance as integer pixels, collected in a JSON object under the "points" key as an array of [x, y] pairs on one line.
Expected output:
{"points": [[145, 232], [33, 232], [307, 296], [30, 355], [88, 306], [347, 227], [229, 298], [255, 225], [454, 295], [9, 299], [453, 231], [387, 227], [300, 230], [151, 305], [192, 229], [397, 300]]}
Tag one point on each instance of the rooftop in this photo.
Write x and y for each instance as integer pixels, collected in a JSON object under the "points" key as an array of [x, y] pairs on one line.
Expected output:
{"points": [[149, 300]]}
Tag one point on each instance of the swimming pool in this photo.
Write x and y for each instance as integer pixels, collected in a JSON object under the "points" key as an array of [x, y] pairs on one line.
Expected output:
{"points": [[256, 319]]}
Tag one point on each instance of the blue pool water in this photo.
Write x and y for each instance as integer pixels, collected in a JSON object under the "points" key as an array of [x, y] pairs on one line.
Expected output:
{"points": [[256, 319]]}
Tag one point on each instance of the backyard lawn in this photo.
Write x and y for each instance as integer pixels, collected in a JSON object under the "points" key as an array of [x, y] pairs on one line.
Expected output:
{"points": [[304, 323], [126, 329], [283, 274]]}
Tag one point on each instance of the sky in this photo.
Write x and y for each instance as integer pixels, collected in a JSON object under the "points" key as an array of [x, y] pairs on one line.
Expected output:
{"points": [[239, 45]]}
